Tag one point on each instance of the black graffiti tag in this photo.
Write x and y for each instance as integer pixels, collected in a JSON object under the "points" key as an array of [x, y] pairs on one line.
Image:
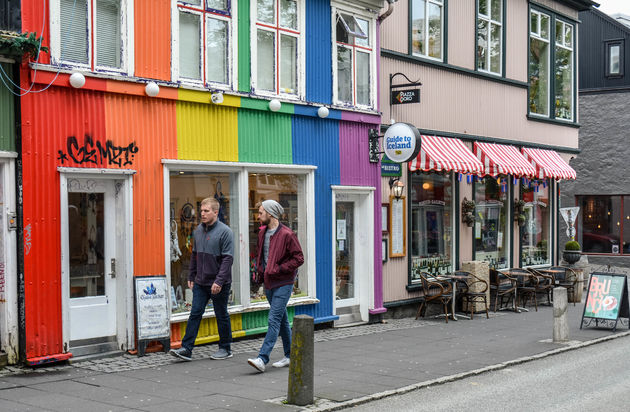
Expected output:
{"points": [[96, 153]]}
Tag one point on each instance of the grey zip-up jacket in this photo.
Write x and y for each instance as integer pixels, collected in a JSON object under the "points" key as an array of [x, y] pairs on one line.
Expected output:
{"points": [[212, 254]]}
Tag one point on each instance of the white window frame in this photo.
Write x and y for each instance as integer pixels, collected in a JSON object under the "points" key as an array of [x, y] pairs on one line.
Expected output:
{"points": [[572, 48], [232, 44], [243, 170], [126, 32], [536, 35], [345, 9], [490, 21], [442, 5], [299, 34]]}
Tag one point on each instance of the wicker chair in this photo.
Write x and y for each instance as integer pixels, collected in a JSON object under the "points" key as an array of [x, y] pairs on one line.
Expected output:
{"points": [[526, 284], [502, 286], [474, 292], [544, 283], [435, 292], [567, 278]]}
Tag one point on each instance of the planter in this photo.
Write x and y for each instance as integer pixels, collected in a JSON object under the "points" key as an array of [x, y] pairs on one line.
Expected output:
{"points": [[571, 256]]}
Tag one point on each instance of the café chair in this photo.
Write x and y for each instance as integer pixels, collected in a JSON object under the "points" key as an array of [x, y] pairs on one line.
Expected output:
{"points": [[544, 283], [502, 286], [566, 278], [475, 292], [525, 286], [434, 292]]}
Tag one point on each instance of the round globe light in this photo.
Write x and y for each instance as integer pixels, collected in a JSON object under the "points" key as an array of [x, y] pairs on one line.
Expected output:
{"points": [[77, 80], [323, 112], [274, 105], [152, 89]]}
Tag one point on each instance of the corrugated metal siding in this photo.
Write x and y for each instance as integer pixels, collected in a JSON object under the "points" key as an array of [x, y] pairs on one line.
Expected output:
{"points": [[150, 124], [244, 56], [152, 20], [458, 103], [264, 137], [7, 113], [35, 16], [206, 131], [516, 40], [318, 58], [461, 36], [316, 142], [48, 119], [395, 29]]}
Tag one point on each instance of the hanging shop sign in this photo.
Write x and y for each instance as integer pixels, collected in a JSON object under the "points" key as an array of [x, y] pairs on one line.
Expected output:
{"points": [[401, 142], [389, 168], [405, 96]]}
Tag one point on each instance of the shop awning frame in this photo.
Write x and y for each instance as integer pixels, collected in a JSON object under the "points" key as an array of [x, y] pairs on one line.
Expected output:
{"points": [[548, 164], [445, 154], [500, 159]]}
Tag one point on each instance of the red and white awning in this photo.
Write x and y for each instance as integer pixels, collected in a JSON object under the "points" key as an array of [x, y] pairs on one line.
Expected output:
{"points": [[443, 153], [548, 164], [503, 159]]}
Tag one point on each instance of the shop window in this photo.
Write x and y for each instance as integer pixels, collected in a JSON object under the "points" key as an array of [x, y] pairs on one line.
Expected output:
{"points": [[431, 224], [489, 35], [536, 232], [277, 45], [427, 28], [601, 222], [204, 37], [287, 190], [490, 230], [91, 33], [187, 190], [614, 58], [354, 59]]}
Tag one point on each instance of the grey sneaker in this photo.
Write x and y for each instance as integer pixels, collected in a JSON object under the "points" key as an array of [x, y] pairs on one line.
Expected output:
{"points": [[257, 363], [181, 353], [221, 354], [282, 363]]}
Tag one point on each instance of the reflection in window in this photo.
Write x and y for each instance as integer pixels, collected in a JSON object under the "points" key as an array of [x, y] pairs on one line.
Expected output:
{"points": [[426, 28], [489, 35], [536, 231], [288, 190], [614, 58], [431, 223], [490, 237], [539, 63], [187, 190], [600, 223]]}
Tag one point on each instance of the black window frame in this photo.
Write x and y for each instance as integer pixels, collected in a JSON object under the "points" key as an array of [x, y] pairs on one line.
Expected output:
{"points": [[608, 44]]}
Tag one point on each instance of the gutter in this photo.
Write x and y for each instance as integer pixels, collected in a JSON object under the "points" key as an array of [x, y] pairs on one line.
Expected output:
{"points": [[390, 10]]}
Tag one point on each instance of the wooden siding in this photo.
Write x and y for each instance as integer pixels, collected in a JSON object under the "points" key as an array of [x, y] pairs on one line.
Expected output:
{"points": [[461, 36], [516, 40]]}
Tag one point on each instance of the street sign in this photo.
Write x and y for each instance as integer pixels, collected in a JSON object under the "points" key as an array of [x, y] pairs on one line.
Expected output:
{"points": [[405, 96]]}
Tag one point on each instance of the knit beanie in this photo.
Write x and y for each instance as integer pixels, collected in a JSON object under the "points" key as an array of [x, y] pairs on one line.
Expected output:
{"points": [[273, 208]]}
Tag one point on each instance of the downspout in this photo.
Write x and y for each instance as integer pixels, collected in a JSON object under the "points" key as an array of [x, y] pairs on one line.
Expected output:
{"points": [[390, 10], [19, 216]]}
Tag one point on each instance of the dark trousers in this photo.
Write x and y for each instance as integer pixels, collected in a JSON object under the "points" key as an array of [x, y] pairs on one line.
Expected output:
{"points": [[201, 296]]}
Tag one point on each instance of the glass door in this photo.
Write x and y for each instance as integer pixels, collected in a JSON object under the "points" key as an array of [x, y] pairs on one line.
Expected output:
{"points": [[345, 266]]}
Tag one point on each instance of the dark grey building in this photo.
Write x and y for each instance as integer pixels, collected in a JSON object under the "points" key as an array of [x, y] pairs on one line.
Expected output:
{"points": [[602, 188]]}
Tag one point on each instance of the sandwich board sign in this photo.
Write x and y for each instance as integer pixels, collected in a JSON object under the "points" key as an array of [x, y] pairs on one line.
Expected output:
{"points": [[152, 312], [606, 300]]}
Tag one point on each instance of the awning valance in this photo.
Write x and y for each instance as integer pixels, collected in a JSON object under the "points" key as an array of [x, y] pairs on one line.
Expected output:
{"points": [[548, 164], [443, 153], [503, 159]]}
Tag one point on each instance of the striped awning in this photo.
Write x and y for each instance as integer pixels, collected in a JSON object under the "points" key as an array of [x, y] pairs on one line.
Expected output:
{"points": [[503, 159], [548, 164], [443, 153]]}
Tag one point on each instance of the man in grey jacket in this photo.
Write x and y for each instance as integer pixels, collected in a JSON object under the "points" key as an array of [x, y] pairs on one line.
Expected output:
{"points": [[210, 277]]}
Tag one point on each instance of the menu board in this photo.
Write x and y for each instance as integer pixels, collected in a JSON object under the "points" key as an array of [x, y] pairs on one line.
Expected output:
{"points": [[152, 312], [607, 297], [398, 241]]}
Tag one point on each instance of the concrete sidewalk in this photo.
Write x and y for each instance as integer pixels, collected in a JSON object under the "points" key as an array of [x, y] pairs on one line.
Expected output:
{"points": [[352, 365]]}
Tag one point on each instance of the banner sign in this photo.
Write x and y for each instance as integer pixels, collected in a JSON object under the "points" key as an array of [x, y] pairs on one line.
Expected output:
{"points": [[607, 298]]}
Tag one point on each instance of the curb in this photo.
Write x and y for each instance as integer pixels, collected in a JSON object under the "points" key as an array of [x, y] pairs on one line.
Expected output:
{"points": [[459, 376]]}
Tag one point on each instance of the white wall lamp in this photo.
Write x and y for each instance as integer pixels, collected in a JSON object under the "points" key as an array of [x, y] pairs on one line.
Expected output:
{"points": [[152, 89], [77, 80], [396, 186], [216, 97], [275, 105], [323, 112]]}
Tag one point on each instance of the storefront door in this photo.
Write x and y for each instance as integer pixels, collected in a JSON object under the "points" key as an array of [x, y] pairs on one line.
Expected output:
{"points": [[8, 267], [345, 265], [91, 264]]}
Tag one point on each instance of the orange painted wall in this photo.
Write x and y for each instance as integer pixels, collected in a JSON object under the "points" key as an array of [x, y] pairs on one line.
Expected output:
{"points": [[152, 38]]}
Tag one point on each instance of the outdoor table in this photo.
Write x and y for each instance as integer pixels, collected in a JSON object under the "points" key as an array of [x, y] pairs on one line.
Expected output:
{"points": [[552, 272], [514, 274], [453, 280]]}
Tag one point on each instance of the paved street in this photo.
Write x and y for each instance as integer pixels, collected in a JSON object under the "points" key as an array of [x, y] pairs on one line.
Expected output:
{"points": [[353, 365]]}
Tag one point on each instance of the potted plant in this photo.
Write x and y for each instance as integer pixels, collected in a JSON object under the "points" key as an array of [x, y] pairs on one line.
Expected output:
{"points": [[572, 252], [519, 212], [468, 209]]}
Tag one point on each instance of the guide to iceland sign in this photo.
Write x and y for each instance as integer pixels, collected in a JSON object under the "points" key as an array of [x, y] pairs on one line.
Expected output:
{"points": [[401, 142]]}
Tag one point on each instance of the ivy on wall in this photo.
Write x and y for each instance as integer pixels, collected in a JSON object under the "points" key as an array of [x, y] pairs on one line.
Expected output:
{"points": [[18, 45]]}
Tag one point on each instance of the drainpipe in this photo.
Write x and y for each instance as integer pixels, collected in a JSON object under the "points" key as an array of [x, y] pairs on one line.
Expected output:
{"points": [[390, 10], [19, 215]]}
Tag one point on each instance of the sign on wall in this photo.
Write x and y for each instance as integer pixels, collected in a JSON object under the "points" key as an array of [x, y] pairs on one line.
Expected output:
{"points": [[401, 142], [152, 312], [405, 96], [397, 218], [606, 300]]}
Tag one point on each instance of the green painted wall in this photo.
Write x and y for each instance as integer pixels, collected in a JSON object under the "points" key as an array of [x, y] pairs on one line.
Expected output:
{"points": [[244, 57], [7, 114], [264, 137]]}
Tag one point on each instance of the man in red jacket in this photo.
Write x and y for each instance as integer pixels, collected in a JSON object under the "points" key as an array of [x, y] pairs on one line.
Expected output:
{"points": [[279, 255]]}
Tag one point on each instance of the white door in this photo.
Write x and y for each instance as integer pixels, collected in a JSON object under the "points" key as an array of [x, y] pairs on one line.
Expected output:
{"points": [[345, 256], [91, 263]]}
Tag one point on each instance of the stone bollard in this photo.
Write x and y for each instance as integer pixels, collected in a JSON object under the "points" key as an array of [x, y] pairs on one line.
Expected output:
{"points": [[301, 368], [560, 315]]}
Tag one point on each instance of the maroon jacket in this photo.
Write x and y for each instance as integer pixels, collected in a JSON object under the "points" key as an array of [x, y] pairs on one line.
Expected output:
{"points": [[285, 257]]}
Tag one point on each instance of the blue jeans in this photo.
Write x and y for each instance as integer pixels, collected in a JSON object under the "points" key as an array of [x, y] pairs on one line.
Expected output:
{"points": [[278, 323], [201, 295]]}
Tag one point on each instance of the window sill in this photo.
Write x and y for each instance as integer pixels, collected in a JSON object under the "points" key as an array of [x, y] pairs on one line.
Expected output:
{"points": [[567, 123]]}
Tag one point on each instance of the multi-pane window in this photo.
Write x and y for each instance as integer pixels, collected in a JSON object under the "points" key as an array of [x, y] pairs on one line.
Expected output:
{"points": [[490, 232], [276, 40], [489, 35], [602, 223], [90, 33], [551, 65], [614, 58], [427, 28], [353, 59], [203, 45], [536, 231]]}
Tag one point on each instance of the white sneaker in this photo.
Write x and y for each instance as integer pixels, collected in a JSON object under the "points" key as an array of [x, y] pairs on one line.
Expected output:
{"points": [[284, 362], [257, 363]]}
